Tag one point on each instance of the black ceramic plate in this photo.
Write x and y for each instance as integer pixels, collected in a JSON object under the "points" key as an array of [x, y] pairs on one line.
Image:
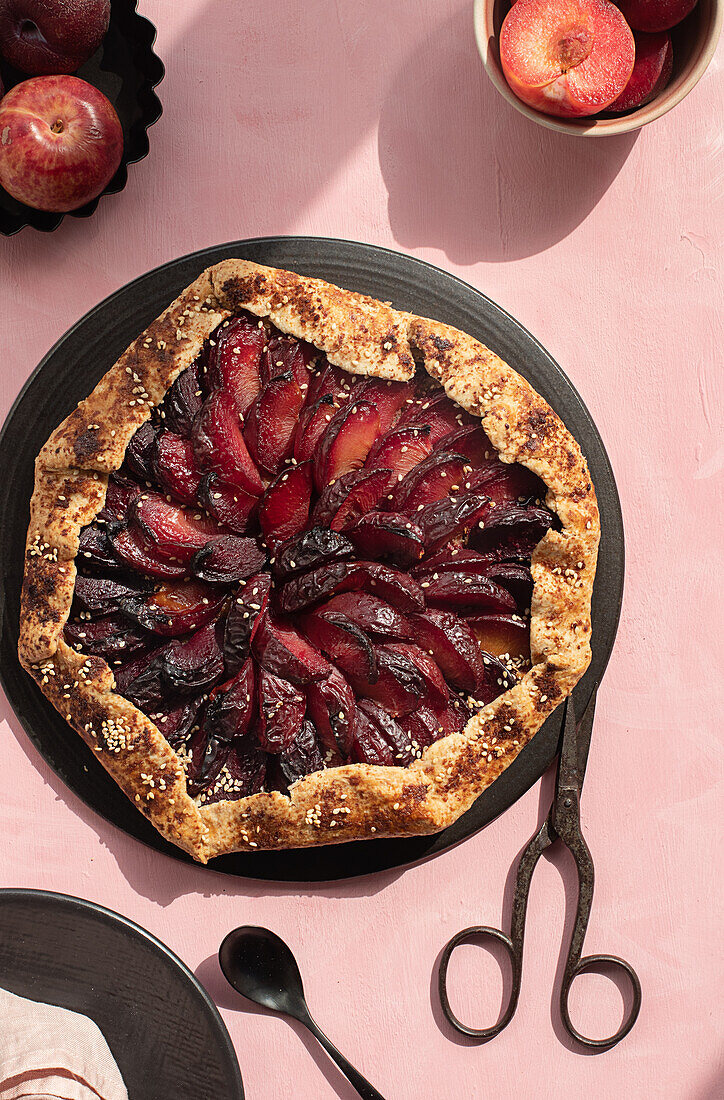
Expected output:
{"points": [[72, 368], [163, 1029], [126, 70]]}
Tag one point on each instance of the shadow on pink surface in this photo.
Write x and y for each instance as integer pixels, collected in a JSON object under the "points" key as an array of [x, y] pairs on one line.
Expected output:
{"points": [[469, 175]]}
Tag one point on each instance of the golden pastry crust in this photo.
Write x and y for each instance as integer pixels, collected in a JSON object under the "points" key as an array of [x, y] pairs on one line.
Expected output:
{"points": [[355, 801]]}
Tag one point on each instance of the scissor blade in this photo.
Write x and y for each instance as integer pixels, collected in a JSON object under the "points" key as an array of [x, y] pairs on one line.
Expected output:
{"points": [[576, 743]]}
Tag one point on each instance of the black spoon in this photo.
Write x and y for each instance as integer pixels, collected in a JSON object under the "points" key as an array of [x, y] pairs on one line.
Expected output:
{"points": [[260, 966]]}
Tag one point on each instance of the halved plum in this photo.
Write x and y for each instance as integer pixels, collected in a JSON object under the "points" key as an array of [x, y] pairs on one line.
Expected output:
{"points": [[135, 552], [271, 422], [230, 506], [310, 549], [102, 595], [112, 637], [228, 558], [387, 535], [249, 600], [453, 645], [280, 649], [232, 705], [175, 608], [346, 442], [95, 551], [284, 507], [281, 712], [502, 634], [196, 662], [466, 593], [313, 422], [400, 450], [350, 497], [342, 642], [174, 467], [390, 584], [234, 360], [138, 460], [303, 757], [174, 531], [452, 516], [220, 447], [430, 480], [183, 402], [332, 708], [511, 532], [398, 686], [371, 614]]}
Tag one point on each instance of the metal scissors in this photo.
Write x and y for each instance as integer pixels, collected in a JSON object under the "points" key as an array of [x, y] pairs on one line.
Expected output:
{"points": [[563, 823]]}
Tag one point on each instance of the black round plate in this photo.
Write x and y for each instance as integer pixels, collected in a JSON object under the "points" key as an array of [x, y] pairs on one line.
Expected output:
{"points": [[73, 367], [126, 70], [163, 1029]]}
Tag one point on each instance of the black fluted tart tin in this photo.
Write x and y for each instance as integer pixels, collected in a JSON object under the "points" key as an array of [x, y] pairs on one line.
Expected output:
{"points": [[127, 71]]}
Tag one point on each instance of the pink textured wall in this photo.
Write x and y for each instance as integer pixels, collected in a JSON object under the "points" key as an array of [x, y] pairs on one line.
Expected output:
{"points": [[376, 121]]}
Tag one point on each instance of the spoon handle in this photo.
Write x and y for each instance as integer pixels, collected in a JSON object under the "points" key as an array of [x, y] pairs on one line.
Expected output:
{"points": [[364, 1088]]}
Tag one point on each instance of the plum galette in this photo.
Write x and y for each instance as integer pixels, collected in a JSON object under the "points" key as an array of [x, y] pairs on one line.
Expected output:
{"points": [[305, 569]]}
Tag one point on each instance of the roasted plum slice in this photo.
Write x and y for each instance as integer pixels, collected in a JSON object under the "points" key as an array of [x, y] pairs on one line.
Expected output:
{"points": [[466, 593], [332, 708], [345, 644], [271, 422], [497, 679], [283, 355], [230, 506], [174, 467], [303, 757], [438, 413], [281, 712], [387, 535], [112, 637], [140, 681], [436, 688], [350, 497], [280, 649], [95, 551], [284, 507], [176, 607], [228, 558], [250, 598], [472, 443], [346, 442], [389, 584], [435, 477], [234, 359], [454, 647], [398, 687], [174, 531], [516, 578], [101, 595], [219, 772], [371, 614], [176, 720], [138, 460], [400, 451], [330, 380], [220, 447], [379, 738], [135, 552], [120, 495], [387, 397], [232, 706], [313, 422], [452, 558], [502, 635], [441, 521], [196, 662], [183, 402], [511, 532], [310, 549], [506, 483]]}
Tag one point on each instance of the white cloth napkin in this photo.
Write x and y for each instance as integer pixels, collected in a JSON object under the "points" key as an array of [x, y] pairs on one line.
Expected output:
{"points": [[50, 1053]]}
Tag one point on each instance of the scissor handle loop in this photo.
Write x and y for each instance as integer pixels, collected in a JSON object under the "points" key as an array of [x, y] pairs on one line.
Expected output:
{"points": [[466, 935], [593, 962]]}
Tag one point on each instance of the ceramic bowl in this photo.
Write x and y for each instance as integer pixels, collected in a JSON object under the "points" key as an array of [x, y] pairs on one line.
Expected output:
{"points": [[694, 42]]}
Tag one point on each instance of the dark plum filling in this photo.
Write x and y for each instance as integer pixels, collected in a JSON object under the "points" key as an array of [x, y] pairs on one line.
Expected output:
{"points": [[297, 568]]}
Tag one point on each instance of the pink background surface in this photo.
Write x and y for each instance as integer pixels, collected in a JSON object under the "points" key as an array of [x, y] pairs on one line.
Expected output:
{"points": [[376, 122]]}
